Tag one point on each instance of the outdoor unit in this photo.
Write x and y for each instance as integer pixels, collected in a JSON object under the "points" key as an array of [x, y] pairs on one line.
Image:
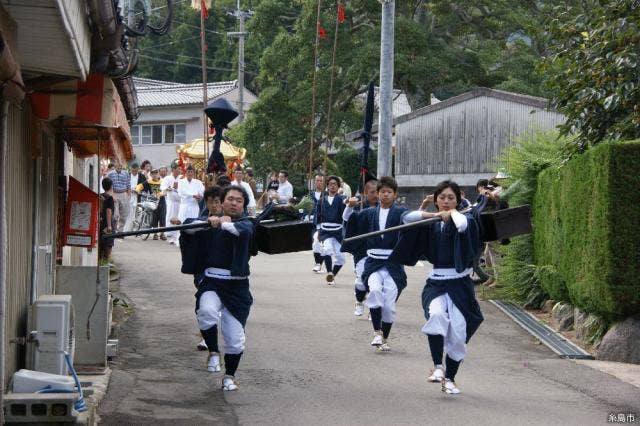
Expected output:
{"points": [[51, 333]]}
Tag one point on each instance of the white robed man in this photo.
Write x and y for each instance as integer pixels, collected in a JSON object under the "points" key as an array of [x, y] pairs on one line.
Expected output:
{"points": [[191, 191], [169, 185], [238, 180]]}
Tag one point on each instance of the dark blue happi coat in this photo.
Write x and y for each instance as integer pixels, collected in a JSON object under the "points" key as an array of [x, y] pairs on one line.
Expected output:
{"points": [[445, 247], [368, 221], [357, 248], [329, 213], [216, 248]]}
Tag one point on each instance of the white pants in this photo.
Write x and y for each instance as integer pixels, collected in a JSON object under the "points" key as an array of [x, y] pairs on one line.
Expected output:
{"points": [[133, 202], [383, 293], [212, 312], [446, 320], [188, 210], [173, 209], [358, 271], [331, 247], [316, 246], [122, 202]]}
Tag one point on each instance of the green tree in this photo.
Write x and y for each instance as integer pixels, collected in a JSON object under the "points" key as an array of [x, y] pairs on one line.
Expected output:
{"points": [[592, 70]]}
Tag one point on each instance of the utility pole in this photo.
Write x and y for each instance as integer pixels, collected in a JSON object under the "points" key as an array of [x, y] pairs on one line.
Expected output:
{"points": [[242, 16], [385, 117]]}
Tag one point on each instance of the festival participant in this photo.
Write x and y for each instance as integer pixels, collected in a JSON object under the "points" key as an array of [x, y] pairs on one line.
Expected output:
{"points": [[359, 249], [190, 191], [448, 298], [169, 186], [212, 196], [316, 246], [220, 257], [384, 277], [328, 216]]}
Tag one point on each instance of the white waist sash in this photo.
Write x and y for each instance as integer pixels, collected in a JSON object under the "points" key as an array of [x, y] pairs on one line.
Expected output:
{"points": [[221, 274], [330, 226], [448, 273], [382, 254]]}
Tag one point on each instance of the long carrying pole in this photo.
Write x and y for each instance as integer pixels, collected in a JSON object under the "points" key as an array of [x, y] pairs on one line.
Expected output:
{"points": [[394, 228], [401, 227], [194, 225]]}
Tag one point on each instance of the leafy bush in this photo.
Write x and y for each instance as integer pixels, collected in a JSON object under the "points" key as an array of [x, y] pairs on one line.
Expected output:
{"points": [[586, 230], [518, 274]]}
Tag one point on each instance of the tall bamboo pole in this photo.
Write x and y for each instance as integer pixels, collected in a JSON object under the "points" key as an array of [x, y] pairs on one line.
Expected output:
{"points": [[203, 52], [313, 97]]}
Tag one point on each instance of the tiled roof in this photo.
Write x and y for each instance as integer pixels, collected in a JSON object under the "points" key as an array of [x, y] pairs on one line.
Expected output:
{"points": [[164, 93]]}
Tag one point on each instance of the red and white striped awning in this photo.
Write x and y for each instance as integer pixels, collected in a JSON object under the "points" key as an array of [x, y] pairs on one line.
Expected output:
{"points": [[89, 115]]}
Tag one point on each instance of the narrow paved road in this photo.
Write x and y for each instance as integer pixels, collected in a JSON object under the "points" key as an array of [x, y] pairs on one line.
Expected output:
{"points": [[308, 359]]}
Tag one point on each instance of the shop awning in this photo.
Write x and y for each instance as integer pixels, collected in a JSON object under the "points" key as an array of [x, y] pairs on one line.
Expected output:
{"points": [[87, 114], [12, 84]]}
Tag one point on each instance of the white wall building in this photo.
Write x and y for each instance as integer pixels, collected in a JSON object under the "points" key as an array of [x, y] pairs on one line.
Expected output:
{"points": [[171, 114]]}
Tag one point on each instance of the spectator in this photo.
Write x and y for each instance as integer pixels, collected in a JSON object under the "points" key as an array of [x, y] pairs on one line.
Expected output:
{"points": [[121, 193], [152, 187], [252, 182], [345, 189], [492, 192], [105, 172], [238, 180], [464, 203], [146, 168], [136, 178], [163, 172], [273, 182], [285, 189], [107, 219]]}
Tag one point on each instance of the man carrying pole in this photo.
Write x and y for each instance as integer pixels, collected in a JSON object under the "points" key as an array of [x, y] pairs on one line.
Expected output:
{"points": [[385, 279]]}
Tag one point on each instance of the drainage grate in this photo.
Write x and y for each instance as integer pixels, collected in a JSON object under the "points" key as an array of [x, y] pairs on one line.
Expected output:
{"points": [[553, 340]]}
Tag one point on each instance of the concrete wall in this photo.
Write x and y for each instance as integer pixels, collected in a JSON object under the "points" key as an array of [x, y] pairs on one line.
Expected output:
{"points": [[80, 283]]}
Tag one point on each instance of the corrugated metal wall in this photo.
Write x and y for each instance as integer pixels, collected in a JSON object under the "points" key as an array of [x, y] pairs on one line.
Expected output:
{"points": [[18, 174], [466, 137]]}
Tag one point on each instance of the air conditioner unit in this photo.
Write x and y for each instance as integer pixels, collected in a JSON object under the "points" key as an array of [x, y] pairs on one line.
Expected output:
{"points": [[51, 333]]}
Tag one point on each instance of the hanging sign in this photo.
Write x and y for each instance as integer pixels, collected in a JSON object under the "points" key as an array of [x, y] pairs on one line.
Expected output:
{"points": [[81, 221]]}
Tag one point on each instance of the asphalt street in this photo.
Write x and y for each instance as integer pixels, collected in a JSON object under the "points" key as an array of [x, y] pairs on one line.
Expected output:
{"points": [[308, 360]]}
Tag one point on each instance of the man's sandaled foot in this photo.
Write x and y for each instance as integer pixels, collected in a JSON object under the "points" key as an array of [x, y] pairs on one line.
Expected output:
{"points": [[202, 345], [377, 339], [436, 375], [213, 362], [449, 387], [330, 279], [384, 347], [229, 384]]}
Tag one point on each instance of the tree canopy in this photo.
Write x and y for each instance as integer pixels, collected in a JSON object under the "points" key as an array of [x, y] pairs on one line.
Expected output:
{"points": [[444, 47], [592, 69]]}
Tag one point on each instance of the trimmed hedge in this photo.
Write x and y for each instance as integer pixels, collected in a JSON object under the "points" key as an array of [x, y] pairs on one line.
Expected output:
{"points": [[587, 230]]}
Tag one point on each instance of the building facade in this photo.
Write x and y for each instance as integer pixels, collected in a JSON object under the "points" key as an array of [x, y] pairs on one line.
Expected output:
{"points": [[171, 114], [462, 137], [58, 117]]}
